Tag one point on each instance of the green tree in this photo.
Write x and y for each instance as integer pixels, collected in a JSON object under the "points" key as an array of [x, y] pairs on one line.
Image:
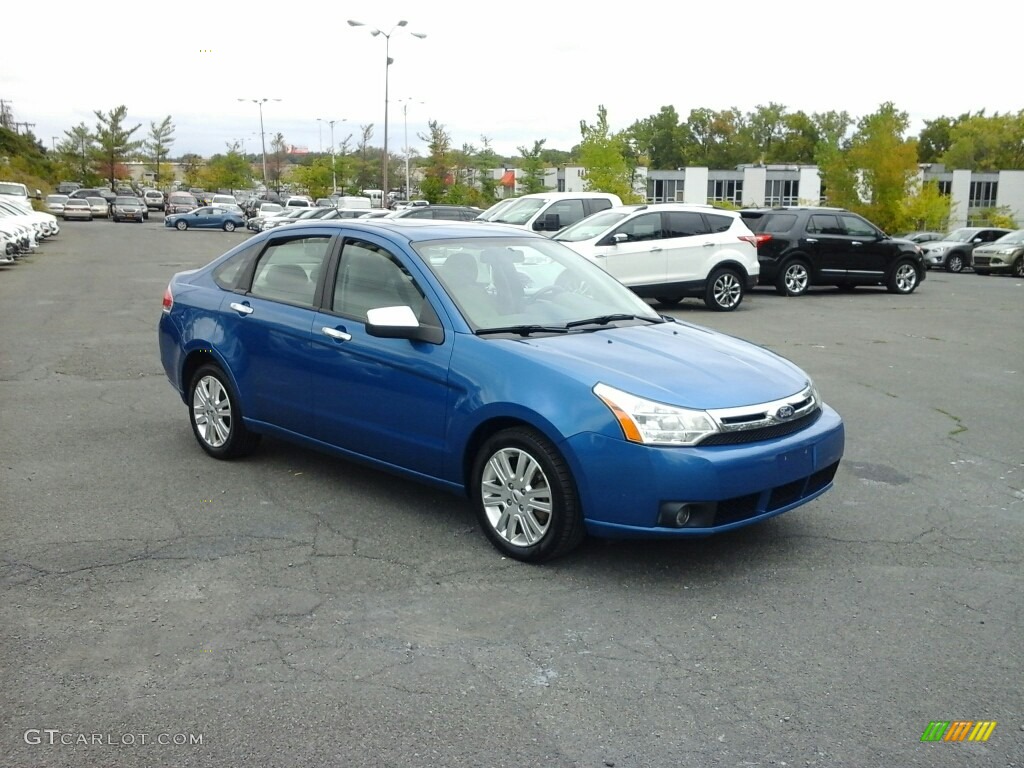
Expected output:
{"points": [[228, 171], [603, 155], [532, 166], [76, 152], [798, 141], [437, 170], [925, 208], [763, 131], [315, 177], [661, 138], [114, 140], [980, 143], [158, 144], [192, 169], [276, 160], [366, 174], [935, 138]]}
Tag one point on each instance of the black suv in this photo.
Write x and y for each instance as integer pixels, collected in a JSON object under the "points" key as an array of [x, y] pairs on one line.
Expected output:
{"points": [[799, 247]]}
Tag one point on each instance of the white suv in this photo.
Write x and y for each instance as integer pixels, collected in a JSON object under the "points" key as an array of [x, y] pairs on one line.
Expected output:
{"points": [[670, 251]]}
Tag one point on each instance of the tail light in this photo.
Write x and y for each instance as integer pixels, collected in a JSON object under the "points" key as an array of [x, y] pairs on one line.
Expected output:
{"points": [[752, 239], [761, 240], [168, 299]]}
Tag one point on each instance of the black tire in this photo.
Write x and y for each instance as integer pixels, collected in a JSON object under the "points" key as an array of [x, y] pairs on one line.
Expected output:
{"points": [[216, 416], [502, 504], [955, 262], [229, 226], [903, 278], [724, 290], [668, 301], [794, 278], [181, 225], [1018, 267]]}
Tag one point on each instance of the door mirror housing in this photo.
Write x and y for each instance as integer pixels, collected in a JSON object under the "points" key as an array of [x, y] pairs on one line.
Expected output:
{"points": [[400, 323]]}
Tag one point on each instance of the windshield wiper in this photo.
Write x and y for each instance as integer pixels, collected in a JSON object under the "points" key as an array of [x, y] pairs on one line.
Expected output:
{"points": [[605, 319], [523, 330]]}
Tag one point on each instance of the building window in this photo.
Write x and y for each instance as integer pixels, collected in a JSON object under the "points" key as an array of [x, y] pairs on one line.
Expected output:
{"points": [[561, 185], [726, 190], [664, 190], [781, 192], [945, 188], [983, 194]]}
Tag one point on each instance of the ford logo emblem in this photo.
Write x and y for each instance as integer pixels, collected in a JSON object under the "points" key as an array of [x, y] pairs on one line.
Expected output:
{"points": [[785, 412]]}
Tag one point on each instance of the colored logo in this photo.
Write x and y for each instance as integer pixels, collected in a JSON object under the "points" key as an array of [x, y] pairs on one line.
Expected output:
{"points": [[785, 412], [958, 730]]}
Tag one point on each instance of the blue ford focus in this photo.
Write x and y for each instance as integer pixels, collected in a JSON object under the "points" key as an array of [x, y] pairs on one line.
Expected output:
{"points": [[498, 364]]}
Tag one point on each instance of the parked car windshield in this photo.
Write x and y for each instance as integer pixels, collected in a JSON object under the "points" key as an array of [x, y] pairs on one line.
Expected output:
{"points": [[126, 201], [590, 227], [529, 284], [520, 211], [964, 235], [52, 199], [1014, 238]]}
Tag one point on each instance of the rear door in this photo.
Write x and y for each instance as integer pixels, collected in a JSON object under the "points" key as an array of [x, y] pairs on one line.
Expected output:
{"points": [[828, 246]]}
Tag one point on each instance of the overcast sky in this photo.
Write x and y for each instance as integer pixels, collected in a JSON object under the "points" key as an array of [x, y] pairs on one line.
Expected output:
{"points": [[514, 72]]}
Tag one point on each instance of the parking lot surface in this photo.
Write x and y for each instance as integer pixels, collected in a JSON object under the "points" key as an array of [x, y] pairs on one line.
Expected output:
{"points": [[291, 609]]}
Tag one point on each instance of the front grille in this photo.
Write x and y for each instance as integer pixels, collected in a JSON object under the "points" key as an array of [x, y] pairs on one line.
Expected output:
{"points": [[982, 261], [741, 508], [763, 433]]}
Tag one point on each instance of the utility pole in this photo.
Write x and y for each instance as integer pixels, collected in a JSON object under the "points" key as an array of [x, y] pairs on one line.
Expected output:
{"points": [[26, 126]]}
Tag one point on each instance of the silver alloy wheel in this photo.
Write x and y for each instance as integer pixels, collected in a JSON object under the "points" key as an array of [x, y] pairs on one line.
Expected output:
{"points": [[955, 263], [211, 410], [1018, 267], [517, 497], [905, 278], [796, 278], [727, 290]]}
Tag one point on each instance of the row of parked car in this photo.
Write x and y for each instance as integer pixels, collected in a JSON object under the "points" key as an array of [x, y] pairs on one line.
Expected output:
{"points": [[22, 229]]}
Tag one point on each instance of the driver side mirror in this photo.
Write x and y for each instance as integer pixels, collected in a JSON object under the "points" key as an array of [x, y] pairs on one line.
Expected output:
{"points": [[548, 223], [400, 323]]}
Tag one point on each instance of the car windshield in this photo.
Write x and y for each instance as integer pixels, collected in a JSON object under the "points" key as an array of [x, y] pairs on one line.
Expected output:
{"points": [[52, 199], [520, 211], [184, 200], [590, 227], [97, 201], [1013, 238], [529, 285], [76, 203], [126, 201], [964, 235], [492, 213], [18, 190], [272, 208]]}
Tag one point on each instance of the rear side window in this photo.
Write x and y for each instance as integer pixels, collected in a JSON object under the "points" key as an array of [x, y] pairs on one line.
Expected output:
{"points": [[289, 269], [229, 274], [684, 224], [599, 204], [718, 222], [774, 223]]}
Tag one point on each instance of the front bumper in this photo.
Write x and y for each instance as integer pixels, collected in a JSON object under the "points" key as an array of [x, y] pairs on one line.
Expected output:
{"points": [[624, 486]]}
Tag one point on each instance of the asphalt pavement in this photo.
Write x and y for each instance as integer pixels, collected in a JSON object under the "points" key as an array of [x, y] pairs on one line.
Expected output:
{"points": [[161, 608]]}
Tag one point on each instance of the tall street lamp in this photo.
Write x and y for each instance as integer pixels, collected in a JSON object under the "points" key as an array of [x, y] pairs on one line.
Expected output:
{"points": [[405, 120], [263, 141], [387, 69], [334, 165], [320, 125]]}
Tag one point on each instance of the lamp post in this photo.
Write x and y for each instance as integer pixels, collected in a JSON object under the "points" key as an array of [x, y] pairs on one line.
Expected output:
{"points": [[387, 69], [405, 121], [320, 125], [263, 141]]}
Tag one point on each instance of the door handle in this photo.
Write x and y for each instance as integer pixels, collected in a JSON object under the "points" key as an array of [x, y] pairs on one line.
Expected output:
{"points": [[245, 309], [856, 242], [335, 334], [811, 240], [655, 249], [709, 245]]}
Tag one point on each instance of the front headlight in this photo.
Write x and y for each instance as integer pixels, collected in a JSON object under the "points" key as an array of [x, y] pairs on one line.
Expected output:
{"points": [[652, 423], [1007, 251], [937, 249]]}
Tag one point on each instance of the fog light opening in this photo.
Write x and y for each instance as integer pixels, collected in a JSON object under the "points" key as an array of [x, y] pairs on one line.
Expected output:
{"points": [[682, 515]]}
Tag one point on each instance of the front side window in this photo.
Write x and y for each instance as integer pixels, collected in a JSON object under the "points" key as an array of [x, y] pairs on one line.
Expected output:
{"points": [[289, 268], [646, 226], [370, 277], [569, 211], [855, 226]]}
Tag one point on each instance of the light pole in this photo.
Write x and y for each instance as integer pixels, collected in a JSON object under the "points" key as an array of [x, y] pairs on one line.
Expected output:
{"points": [[387, 69], [263, 141], [320, 125], [334, 165], [405, 120]]}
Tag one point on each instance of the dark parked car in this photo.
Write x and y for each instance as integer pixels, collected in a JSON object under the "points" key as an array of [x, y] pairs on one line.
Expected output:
{"points": [[921, 237], [126, 208], [953, 252], [448, 354], [800, 247], [1004, 256], [209, 217]]}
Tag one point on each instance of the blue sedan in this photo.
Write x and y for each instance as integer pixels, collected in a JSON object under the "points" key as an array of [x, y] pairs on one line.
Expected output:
{"points": [[497, 364], [206, 218]]}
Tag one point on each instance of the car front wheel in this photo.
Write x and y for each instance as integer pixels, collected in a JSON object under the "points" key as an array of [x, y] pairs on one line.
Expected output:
{"points": [[955, 263], [524, 496], [794, 279], [903, 278], [229, 226], [181, 225], [724, 290], [216, 416]]}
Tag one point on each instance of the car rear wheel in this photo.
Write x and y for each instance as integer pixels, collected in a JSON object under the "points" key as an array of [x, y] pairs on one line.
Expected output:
{"points": [[181, 225], [724, 290], [955, 263], [903, 278], [794, 279], [229, 226], [668, 301], [524, 496], [216, 416]]}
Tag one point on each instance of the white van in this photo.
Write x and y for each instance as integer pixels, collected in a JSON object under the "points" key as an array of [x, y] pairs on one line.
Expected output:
{"points": [[354, 202], [550, 211]]}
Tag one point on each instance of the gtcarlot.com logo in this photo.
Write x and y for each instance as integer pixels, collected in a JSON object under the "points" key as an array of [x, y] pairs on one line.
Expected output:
{"points": [[55, 736]]}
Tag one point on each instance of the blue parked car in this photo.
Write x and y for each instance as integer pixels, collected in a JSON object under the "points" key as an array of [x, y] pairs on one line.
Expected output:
{"points": [[498, 364], [208, 217]]}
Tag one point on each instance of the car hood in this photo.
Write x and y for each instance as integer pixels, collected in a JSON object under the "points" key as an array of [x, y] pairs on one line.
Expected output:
{"points": [[674, 363], [941, 244]]}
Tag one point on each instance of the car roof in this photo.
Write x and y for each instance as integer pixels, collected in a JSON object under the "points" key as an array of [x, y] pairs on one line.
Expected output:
{"points": [[420, 230]]}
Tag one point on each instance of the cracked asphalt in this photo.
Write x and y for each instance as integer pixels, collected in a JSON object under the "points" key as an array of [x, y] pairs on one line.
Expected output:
{"points": [[162, 608]]}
